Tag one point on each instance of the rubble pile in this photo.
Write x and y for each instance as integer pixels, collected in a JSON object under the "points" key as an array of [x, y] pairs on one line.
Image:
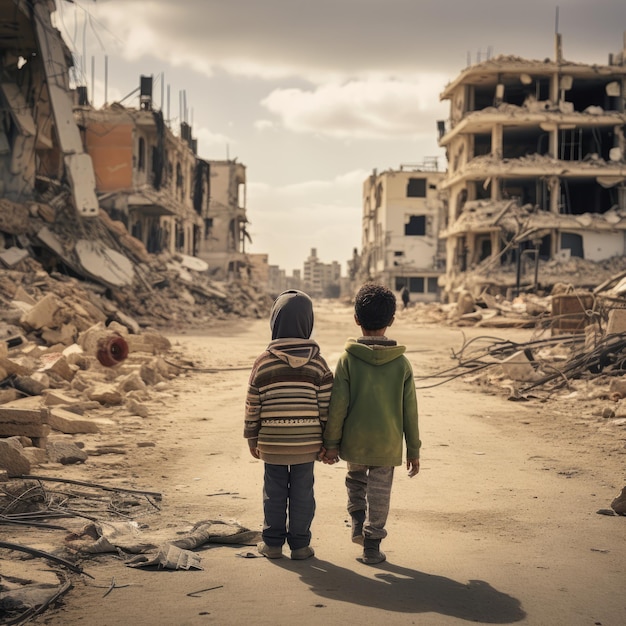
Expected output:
{"points": [[500, 276], [54, 388], [80, 300], [581, 372], [95, 263]]}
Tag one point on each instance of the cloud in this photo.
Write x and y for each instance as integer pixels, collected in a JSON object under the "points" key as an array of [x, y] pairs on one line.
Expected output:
{"points": [[208, 140], [338, 39], [380, 108], [337, 185], [264, 125]]}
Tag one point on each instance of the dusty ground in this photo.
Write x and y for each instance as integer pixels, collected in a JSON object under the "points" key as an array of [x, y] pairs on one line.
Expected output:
{"points": [[500, 526]]}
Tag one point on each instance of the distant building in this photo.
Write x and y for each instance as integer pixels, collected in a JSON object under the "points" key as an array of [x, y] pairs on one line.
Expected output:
{"points": [[537, 169], [259, 270], [277, 282], [402, 212], [321, 280], [294, 281]]}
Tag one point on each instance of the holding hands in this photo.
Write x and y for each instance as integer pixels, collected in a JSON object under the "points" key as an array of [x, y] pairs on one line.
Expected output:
{"points": [[330, 457]]}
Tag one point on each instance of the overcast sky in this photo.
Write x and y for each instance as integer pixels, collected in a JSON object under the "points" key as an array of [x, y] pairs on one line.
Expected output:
{"points": [[312, 95]]}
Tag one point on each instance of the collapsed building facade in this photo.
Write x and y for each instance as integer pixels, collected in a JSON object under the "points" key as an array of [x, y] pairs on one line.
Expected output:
{"points": [[537, 169], [69, 162], [39, 139], [402, 214], [146, 177]]}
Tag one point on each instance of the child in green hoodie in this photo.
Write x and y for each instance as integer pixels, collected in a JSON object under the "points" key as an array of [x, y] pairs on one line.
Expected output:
{"points": [[373, 407]]}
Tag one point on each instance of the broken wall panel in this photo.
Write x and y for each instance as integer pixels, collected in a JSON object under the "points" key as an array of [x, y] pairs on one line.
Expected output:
{"points": [[110, 146], [57, 80]]}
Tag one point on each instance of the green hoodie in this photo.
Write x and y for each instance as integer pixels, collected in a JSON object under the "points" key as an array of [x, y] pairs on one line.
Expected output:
{"points": [[373, 405]]}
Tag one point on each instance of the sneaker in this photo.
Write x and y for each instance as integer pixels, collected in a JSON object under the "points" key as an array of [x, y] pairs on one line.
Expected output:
{"points": [[372, 553], [299, 554], [271, 552]]}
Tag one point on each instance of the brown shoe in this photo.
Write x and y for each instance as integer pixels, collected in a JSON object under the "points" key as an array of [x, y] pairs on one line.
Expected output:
{"points": [[299, 554], [271, 552]]}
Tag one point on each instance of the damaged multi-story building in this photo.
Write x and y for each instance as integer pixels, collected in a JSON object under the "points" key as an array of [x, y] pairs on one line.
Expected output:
{"points": [[402, 212], [146, 177], [537, 169], [126, 161]]}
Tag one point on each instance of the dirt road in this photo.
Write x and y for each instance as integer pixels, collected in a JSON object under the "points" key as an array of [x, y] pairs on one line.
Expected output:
{"points": [[499, 527]]}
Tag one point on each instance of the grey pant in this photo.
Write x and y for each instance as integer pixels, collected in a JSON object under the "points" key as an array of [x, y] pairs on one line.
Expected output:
{"points": [[288, 491], [369, 490]]}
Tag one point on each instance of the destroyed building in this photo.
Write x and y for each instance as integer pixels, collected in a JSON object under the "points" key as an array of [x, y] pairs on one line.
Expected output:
{"points": [[402, 212], [100, 214], [537, 170], [223, 241], [125, 160], [39, 139], [146, 177]]}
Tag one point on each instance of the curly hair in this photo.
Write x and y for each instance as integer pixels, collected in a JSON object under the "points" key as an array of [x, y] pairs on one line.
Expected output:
{"points": [[374, 306]]}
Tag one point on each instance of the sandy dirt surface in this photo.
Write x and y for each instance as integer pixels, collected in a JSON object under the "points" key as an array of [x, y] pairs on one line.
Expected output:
{"points": [[499, 527]]}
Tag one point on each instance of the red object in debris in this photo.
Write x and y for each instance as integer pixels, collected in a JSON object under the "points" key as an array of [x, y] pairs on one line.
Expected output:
{"points": [[112, 350]]}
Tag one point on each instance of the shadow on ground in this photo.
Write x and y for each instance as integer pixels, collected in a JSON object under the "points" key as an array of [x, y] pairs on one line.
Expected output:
{"points": [[404, 590]]}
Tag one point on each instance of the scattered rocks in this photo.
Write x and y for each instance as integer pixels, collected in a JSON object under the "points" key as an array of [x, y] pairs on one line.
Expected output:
{"points": [[12, 457], [619, 503], [65, 452]]}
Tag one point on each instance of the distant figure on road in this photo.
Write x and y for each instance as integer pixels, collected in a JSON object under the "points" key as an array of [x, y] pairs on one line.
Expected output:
{"points": [[405, 295], [373, 407], [286, 411]]}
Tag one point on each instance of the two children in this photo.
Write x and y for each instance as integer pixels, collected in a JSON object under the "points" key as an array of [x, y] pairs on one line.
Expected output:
{"points": [[373, 407]]}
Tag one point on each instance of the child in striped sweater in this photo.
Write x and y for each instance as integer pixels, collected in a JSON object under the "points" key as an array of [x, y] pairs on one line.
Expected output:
{"points": [[286, 411]]}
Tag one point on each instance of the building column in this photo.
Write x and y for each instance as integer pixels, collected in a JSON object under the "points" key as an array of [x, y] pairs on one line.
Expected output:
{"points": [[496, 141]]}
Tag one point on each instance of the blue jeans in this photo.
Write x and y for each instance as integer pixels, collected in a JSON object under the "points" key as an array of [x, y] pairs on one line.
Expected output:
{"points": [[288, 493]]}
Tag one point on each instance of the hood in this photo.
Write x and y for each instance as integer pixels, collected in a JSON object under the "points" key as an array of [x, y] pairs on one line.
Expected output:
{"points": [[295, 353], [292, 315], [374, 354]]}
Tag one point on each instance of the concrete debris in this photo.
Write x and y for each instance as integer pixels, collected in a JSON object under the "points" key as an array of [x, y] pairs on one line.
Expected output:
{"points": [[619, 503], [583, 356], [68, 422], [66, 285], [65, 452], [12, 457], [12, 256], [564, 309]]}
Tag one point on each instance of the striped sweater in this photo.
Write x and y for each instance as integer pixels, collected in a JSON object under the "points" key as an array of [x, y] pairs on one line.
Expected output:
{"points": [[287, 402]]}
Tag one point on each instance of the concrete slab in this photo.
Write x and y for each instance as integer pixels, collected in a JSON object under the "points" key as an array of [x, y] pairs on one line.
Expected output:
{"points": [[104, 263]]}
